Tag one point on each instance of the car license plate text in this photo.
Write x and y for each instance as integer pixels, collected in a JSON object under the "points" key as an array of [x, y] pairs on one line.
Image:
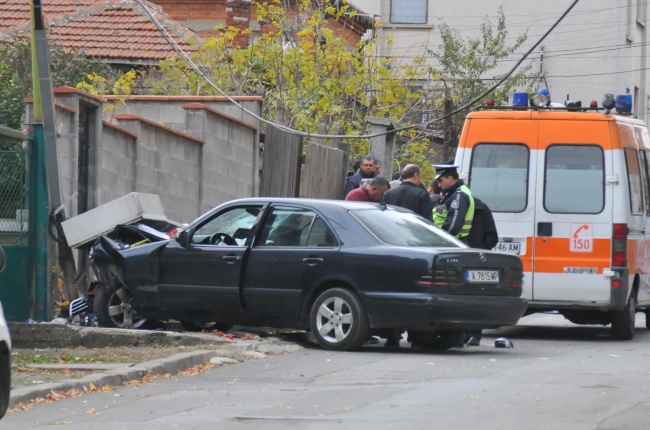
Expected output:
{"points": [[508, 247], [482, 276]]}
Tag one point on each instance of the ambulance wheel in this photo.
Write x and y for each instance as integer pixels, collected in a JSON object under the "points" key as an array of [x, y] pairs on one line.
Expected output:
{"points": [[623, 321]]}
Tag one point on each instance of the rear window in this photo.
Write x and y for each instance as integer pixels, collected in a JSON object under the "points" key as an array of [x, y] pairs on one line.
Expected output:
{"points": [[403, 228], [499, 175], [575, 179]]}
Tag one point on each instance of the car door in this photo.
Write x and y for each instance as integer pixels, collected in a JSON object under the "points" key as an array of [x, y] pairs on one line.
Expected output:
{"points": [[292, 250], [204, 275]]}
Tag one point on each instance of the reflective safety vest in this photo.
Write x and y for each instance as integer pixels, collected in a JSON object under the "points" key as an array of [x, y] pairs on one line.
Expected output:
{"points": [[440, 213]]}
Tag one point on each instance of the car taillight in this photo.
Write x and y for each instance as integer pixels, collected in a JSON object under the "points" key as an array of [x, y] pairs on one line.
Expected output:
{"points": [[619, 245], [514, 279], [441, 277]]}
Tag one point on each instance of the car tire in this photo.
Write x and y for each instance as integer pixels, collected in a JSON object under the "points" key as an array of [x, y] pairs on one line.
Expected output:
{"points": [[5, 378], [438, 341], [113, 308], [339, 321], [623, 321], [647, 318], [209, 326]]}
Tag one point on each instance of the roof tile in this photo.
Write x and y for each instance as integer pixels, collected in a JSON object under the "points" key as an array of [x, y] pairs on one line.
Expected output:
{"points": [[115, 30]]}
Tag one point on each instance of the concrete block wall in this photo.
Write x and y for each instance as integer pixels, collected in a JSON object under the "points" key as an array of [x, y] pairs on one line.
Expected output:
{"points": [[167, 110], [193, 158], [118, 163], [230, 155], [168, 164], [68, 155]]}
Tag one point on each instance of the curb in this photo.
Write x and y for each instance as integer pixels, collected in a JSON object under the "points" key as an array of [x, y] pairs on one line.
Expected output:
{"points": [[51, 335]]}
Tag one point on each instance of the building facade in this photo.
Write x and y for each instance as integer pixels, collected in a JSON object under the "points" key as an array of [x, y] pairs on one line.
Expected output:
{"points": [[599, 47]]}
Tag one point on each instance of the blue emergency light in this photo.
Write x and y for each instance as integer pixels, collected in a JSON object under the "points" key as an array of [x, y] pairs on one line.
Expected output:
{"points": [[520, 99], [624, 103]]}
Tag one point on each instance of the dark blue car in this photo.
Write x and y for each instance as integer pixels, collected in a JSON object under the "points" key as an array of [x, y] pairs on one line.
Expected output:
{"points": [[344, 270]]}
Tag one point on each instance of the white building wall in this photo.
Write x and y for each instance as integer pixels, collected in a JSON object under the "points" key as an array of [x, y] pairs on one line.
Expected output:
{"points": [[599, 47]]}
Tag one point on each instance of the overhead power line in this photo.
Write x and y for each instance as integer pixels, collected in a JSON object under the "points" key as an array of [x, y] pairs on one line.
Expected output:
{"points": [[290, 130]]}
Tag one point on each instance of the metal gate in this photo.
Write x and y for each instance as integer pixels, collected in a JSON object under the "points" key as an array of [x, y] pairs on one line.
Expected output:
{"points": [[14, 232]]}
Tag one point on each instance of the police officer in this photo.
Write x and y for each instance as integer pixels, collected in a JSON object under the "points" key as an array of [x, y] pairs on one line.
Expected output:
{"points": [[455, 210], [454, 214]]}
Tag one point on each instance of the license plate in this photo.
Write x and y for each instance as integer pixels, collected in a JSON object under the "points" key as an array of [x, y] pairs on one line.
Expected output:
{"points": [[508, 247], [482, 276]]}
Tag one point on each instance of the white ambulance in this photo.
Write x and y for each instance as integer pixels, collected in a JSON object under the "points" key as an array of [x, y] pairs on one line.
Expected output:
{"points": [[570, 192]]}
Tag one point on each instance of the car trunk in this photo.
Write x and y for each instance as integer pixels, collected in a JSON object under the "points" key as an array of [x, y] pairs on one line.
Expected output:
{"points": [[474, 272]]}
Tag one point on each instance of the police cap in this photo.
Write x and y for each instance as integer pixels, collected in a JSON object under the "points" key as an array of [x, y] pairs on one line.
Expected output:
{"points": [[443, 169]]}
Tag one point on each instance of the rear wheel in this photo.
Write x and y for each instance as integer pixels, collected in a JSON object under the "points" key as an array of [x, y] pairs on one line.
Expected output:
{"points": [[647, 318], [438, 341], [113, 308], [338, 320], [623, 321]]}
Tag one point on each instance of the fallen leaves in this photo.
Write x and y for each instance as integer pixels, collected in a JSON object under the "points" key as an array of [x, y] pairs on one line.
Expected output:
{"points": [[197, 370], [54, 396]]}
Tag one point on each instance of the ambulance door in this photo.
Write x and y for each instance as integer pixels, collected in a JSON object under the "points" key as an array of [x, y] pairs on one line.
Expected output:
{"points": [[501, 171], [643, 296], [573, 217]]}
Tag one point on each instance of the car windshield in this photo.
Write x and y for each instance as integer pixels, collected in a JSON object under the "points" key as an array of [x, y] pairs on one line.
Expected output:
{"points": [[403, 228]]}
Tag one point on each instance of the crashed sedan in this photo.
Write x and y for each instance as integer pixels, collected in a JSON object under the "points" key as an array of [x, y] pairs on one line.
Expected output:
{"points": [[343, 270]]}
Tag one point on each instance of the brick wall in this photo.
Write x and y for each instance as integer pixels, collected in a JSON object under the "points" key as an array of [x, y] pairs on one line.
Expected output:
{"points": [[203, 15]]}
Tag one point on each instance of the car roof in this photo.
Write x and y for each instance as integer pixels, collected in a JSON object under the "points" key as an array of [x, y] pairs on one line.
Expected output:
{"points": [[304, 201]]}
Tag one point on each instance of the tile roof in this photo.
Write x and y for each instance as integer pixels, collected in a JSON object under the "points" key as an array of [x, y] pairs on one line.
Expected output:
{"points": [[117, 31]]}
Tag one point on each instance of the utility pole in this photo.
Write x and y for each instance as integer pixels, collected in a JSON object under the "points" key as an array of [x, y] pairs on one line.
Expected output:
{"points": [[44, 170]]}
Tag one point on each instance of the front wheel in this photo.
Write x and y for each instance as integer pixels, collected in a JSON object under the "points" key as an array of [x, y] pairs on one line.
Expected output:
{"points": [[338, 320], [623, 321], [113, 308]]}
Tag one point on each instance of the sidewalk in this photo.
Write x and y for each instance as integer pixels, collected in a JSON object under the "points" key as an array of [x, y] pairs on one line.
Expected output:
{"points": [[138, 353]]}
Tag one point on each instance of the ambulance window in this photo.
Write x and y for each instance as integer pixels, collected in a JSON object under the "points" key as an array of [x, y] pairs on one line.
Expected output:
{"points": [[575, 179], [634, 181], [645, 175], [499, 175]]}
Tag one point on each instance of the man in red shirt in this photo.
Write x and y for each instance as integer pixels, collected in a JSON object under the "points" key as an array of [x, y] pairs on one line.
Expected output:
{"points": [[372, 191]]}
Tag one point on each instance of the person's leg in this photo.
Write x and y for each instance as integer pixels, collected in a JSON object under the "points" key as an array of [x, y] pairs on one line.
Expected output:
{"points": [[393, 336], [473, 338]]}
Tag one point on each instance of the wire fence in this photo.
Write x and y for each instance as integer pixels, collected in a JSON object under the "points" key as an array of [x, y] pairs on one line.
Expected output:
{"points": [[14, 214]]}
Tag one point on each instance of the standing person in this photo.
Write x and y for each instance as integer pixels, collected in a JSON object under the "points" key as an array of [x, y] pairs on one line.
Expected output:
{"points": [[410, 195], [365, 171], [435, 192], [355, 167], [454, 214], [483, 235], [373, 191], [455, 210]]}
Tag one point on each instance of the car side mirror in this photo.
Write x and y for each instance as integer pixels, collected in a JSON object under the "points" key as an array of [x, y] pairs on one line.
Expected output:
{"points": [[183, 238]]}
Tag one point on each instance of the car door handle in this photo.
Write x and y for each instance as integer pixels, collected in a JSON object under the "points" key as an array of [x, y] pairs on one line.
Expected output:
{"points": [[230, 259], [312, 261]]}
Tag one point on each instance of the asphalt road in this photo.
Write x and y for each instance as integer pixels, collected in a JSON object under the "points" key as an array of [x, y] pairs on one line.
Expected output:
{"points": [[558, 376]]}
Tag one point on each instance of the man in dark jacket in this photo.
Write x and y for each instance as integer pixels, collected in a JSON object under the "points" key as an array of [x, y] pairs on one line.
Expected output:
{"points": [[366, 171], [410, 195]]}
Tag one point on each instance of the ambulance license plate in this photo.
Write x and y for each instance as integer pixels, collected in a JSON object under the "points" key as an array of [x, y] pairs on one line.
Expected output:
{"points": [[508, 247], [482, 276]]}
